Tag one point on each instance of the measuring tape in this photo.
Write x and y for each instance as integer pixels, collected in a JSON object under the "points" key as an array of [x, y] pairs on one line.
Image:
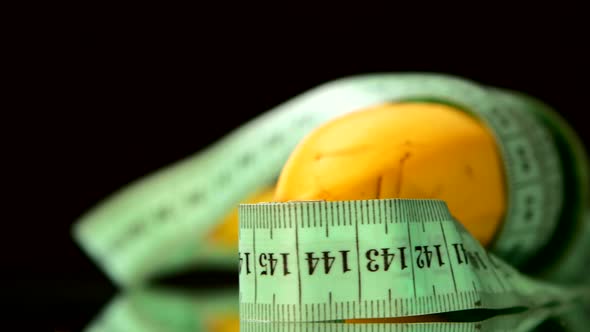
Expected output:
{"points": [[570, 315], [331, 261], [158, 225]]}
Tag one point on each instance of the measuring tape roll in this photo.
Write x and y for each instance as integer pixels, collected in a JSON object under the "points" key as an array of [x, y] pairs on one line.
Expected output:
{"points": [[157, 225], [331, 261], [564, 258]]}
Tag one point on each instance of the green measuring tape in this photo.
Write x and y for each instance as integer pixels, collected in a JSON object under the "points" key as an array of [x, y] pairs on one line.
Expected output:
{"points": [[158, 225], [569, 314], [331, 261]]}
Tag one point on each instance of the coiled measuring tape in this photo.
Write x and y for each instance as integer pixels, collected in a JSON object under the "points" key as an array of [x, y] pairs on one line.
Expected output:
{"points": [[331, 261], [158, 225]]}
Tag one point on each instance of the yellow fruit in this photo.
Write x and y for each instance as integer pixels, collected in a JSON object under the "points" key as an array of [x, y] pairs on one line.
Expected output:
{"points": [[403, 150], [226, 232]]}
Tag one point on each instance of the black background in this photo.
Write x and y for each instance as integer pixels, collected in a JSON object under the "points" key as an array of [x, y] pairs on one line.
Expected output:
{"points": [[104, 100]]}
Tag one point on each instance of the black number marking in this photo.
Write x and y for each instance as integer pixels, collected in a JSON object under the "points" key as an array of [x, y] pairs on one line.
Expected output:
{"points": [[269, 263], [328, 261], [247, 262], [373, 254], [424, 258]]}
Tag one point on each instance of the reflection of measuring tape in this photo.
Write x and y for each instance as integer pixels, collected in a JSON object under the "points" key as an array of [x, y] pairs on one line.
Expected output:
{"points": [[328, 261], [156, 226], [163, 310]]}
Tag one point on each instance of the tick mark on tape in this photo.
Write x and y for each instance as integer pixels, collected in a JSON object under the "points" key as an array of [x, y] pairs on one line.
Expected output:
{"points": [[358, 261], [477, 303], [326, 218]]}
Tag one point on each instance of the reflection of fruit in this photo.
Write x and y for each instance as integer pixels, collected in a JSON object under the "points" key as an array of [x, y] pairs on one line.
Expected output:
{"points": [[403, 150], [400, 320], [228, 323], [226, 232]]}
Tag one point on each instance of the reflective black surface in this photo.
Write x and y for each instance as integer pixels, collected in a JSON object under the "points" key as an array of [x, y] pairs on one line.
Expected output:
{"points": [[209, 302], [105, 99], [185, 310]]}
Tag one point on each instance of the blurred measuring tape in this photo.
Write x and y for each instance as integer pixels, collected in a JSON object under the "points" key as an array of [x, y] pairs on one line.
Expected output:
{"points": [[159, 225], [331, 261], [166, 310], [169, 310]]}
